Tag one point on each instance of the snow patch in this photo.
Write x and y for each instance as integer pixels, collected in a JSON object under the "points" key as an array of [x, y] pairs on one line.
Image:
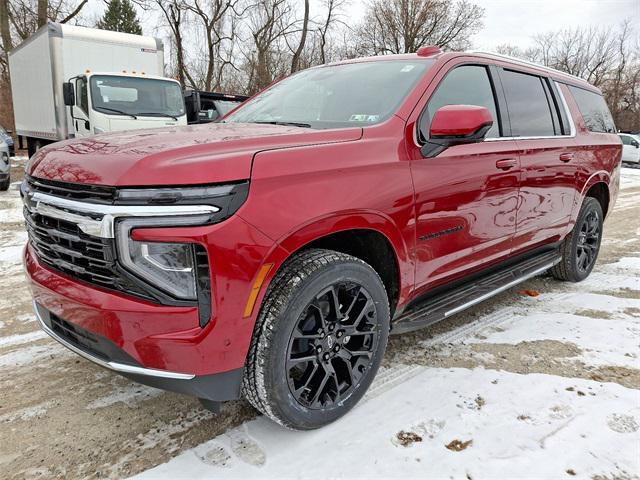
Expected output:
{"points": [[528, 426]]}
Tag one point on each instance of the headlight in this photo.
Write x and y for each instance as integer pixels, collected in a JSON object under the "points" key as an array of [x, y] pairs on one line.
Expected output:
{"points": [[172, 267], [228, 198], [169, 267]]}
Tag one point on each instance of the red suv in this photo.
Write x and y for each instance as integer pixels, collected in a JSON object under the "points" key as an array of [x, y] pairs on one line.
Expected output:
{"points": [[271, 254]]}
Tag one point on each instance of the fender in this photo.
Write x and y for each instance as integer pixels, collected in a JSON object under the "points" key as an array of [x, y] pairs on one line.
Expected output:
{"points": [[601, 176], [320, 227]]}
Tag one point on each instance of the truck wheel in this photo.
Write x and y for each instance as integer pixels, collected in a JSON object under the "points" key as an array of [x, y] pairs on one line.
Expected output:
{"points": [[318, 340], [4, 185], [580, 248]]}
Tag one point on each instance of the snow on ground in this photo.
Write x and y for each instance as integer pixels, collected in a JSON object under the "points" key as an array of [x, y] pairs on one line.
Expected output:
{"points": [[514, 426]]}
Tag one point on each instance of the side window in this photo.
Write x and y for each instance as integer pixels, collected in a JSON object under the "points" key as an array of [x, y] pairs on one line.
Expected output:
{"points": [[594, 110], [530, 113], [465, 85], [81, 94], [625, 140]]}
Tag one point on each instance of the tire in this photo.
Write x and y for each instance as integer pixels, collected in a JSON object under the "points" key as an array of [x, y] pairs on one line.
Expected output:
{"points": [[297, 361], [4, 185], [583, 240]]}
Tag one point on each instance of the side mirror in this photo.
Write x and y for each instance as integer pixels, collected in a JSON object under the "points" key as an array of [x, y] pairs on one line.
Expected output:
{"points": [[456, 125], [633, 142], [68, 95]]}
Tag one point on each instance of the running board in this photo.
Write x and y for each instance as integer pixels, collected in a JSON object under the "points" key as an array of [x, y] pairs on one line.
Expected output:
{"points": [[449, 302]]}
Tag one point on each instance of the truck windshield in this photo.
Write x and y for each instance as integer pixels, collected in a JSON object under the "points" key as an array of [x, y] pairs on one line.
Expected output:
{"points": [[353, 94], [136, 96]]}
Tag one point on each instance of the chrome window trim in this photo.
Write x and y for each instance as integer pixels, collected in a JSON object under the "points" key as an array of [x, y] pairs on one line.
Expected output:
{"points": [[572, 126], [80, 213], [115, 366]]}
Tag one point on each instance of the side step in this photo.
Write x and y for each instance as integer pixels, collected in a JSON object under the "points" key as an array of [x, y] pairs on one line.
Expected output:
{"points": [[449, 302]]}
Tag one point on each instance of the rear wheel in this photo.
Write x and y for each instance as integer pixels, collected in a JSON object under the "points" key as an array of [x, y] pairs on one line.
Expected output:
{"points": [[4, 184], [318, 340], [580, 248]]}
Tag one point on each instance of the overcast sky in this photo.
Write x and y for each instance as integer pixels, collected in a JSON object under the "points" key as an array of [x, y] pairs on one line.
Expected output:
{"points": [[515, 21], [505, 21]]}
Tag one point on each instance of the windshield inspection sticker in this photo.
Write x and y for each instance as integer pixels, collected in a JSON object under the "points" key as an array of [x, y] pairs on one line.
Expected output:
{"points": [[407, 68]]}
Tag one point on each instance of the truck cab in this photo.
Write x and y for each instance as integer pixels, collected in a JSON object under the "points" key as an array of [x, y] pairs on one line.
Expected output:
{"points": [[107, 102]]}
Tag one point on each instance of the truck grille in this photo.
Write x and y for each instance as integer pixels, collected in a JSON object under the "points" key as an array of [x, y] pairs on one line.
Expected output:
{"points": [[63, 246]]}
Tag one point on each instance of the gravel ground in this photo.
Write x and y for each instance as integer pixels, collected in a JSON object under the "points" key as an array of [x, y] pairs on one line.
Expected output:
{"points": [[62, 417]]}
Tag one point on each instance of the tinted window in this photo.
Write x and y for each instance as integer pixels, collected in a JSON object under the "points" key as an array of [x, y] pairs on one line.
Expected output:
{"points": [[355, 94], [594, 110], [82, 100], [467, 85], [528, 105], [625, 140]]}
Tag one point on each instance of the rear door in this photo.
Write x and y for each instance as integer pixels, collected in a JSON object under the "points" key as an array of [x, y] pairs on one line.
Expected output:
{"points": [[545, 137], [466, 197]]}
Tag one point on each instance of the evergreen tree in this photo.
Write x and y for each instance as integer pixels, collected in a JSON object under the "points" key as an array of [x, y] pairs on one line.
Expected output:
{"points": [[120, 16]]}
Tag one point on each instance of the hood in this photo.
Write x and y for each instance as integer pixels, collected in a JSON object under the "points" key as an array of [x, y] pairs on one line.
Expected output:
{"points": [[187, 155]]}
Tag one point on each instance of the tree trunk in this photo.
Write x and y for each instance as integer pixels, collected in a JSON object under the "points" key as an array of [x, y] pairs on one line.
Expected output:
{"points": [[5, 31], [295, 62], [43, 7]]}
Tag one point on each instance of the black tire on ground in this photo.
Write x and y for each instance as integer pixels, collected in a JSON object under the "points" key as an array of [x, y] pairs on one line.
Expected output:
{"points": [[304, 368], [4, 185], [580, 248]]}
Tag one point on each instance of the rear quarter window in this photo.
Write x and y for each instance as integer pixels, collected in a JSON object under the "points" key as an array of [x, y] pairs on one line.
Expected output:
{"points": [[594, 110]]}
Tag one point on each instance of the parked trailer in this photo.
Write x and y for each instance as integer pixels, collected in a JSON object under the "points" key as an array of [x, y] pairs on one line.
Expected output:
{"points": [[70, 81]]}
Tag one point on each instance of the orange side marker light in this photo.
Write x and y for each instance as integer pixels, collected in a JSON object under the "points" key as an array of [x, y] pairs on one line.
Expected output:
{"points": [[257, 284]]}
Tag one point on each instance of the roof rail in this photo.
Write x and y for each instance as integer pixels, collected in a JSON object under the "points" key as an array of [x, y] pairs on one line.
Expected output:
{"points": [[527, 62]]}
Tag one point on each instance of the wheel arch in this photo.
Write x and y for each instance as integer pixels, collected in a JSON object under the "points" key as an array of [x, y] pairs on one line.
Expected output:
{"points": [[597, 186], [369, 236]]}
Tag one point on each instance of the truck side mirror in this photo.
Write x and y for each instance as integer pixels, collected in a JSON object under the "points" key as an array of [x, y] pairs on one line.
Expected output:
{"points": [[635, 143], [67, 93]]}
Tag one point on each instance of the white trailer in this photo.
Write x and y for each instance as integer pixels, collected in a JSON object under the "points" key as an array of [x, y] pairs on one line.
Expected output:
{"points": [[70, 81]]}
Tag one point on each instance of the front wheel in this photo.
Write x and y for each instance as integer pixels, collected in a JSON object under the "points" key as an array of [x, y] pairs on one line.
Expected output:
{"points": [[580, 248], [318, 340]]}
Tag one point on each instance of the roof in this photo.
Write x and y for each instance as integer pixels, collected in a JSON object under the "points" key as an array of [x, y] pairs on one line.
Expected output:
{"points": [[551, 72]]}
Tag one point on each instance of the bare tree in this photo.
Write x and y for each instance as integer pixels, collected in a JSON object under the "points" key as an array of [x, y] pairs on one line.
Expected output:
{"points": [[606, 58], [333, 18], [585, 52], [295, 61], [269, 22], [214, 17], [43, 7], [403, 26]]}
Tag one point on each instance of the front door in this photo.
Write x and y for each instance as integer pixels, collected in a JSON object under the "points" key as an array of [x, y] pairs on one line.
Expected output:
{"points": [[80, 118], [466, 197]]}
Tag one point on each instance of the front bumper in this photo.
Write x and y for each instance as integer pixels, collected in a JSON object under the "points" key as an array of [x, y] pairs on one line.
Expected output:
{"points": [[164, 345], [101, 351]]}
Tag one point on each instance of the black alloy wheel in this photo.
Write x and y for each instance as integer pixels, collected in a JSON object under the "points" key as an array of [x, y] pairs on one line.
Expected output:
{"points": [[588, 241], [332, 345]]}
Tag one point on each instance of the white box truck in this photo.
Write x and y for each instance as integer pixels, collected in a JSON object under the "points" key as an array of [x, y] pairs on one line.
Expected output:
{"points": [[70, 81]]}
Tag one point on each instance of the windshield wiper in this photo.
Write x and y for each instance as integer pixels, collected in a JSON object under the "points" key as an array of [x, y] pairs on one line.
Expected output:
{"points": [[157, 114], [117, 111], [293, 124]]}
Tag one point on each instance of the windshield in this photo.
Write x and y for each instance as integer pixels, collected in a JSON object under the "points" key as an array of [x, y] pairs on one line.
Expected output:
{"points": [[352, 94], [136, 96]]}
